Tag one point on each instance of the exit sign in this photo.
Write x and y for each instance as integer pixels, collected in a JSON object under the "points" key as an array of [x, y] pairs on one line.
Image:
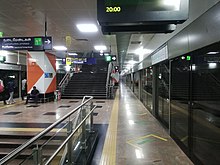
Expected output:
{"points": [[108, 58], [1, 34]]}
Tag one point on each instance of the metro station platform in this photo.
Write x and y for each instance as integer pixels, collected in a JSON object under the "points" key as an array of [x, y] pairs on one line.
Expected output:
{"points": [[128, 133]]}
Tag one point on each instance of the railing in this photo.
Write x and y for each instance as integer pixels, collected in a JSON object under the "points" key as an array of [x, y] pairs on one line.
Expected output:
{"points": [[70, 132], [108, 80], [64, 81], [214, 78]]}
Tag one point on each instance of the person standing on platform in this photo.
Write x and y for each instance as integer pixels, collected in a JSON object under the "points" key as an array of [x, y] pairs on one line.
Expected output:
{"points": [[2, 91], [23, 88], [11, 88]]}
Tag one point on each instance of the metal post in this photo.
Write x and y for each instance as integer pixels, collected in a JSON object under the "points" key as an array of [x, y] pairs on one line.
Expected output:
{"points": [[70, 142], [91, 119], [83, 114], [37, 155]]}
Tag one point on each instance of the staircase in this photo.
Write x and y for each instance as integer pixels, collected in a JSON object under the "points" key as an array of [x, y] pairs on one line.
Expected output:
{"points": [[90, 81], [81, 84], [11, 140]]}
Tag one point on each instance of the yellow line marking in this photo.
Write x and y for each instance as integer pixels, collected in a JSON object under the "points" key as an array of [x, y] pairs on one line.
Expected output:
{"points": [[12, 105], [29, 129], [132, 141], [135, 146], [109, 150], [158, 137]]}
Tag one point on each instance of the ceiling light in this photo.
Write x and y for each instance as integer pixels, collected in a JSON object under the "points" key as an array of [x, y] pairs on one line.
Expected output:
{"points": [[72, 54], [212, 52], [132, 62], [212, 65], [142, 51], [4, 52], [60, 48], [88, 28], [174, 3], [100, 47]]}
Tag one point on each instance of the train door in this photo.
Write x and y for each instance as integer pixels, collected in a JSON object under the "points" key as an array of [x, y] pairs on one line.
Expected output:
{"points": [[179, 101]]}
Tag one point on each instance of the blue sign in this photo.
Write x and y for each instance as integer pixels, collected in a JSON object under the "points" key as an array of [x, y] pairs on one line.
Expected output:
{"points": [[48, 75]]}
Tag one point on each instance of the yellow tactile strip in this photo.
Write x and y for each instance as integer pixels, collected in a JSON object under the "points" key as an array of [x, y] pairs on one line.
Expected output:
{"points": [[109, 150], [11, 105]]}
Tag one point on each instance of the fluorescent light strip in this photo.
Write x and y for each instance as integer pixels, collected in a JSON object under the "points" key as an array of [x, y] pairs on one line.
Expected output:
{"points": [[87, 28], [100, 47], [212, 52], [60, 48]]}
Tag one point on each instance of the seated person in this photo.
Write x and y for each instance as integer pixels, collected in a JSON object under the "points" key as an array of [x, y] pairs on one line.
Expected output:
{"points": [[34, 94]]}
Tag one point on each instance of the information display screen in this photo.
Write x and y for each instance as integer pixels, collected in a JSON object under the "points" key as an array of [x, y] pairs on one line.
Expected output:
{"points": [[130, 12]]}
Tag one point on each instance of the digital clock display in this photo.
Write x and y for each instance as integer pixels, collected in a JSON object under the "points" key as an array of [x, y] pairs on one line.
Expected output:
{"points": [[110, 9], [148, 5], [128, 12]]}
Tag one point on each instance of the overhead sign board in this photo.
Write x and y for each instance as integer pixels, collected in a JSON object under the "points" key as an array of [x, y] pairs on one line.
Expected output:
{"points": [[110, 58], [69, 61], [26, 43], [148, 16], [131, 12]]}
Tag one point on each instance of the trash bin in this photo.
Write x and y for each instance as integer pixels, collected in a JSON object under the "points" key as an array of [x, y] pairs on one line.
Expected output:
{"points": [[56, 95]]}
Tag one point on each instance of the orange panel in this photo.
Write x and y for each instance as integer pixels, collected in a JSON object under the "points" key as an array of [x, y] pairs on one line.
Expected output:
{"points": [[52, 86], [34, 72]]}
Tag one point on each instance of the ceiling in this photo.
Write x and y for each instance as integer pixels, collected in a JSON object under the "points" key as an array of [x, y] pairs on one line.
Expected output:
{"points": [[27, 18]]}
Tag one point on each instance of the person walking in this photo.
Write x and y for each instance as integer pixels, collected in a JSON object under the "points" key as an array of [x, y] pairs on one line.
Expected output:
{"points": [[2, 91], [11, 87], [23, 88]]}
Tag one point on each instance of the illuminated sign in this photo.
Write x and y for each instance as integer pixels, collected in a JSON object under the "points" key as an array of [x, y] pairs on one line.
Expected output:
{"points": [[68, 61], [1, 34], [116, 13], [26, 43], [110, 58], [188, 58], [113, 9]]}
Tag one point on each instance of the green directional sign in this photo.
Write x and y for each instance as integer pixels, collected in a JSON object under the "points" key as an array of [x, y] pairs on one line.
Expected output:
{"points": [[1, 34], [188, 58], [38, 41], [108, 58]]}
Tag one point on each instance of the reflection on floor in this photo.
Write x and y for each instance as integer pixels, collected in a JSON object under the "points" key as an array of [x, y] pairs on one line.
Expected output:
{"points": [[128, 133]]}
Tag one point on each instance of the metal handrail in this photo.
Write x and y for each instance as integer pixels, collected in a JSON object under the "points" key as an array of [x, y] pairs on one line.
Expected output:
{"points": [[24, 146], [63, 80], [69, 137], [107, 79]]}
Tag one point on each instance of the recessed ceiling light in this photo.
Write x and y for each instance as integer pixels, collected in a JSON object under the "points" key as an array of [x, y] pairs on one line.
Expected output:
{"points": [[88, 28], [212, 52], [60, 48], [100, 47], [142, 51]]}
